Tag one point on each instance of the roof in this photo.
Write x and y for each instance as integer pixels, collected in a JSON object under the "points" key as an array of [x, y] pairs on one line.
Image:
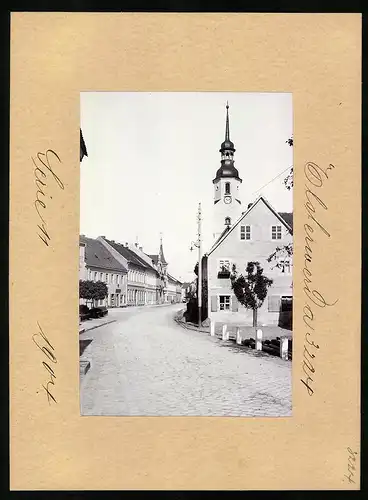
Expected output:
{"points": [[147, 264], [244, 214], [128, 254], [288, 217], [174, 279], [226, 230], [97, 255], [83, 149], [154, 258]]}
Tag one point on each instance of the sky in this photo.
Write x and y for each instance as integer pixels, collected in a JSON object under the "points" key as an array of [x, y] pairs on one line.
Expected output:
{"points": [[152, 157]]}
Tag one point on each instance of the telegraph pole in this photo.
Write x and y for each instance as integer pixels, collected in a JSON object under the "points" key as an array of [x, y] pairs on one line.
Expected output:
{"points": [[198, 244], [199, 266]]}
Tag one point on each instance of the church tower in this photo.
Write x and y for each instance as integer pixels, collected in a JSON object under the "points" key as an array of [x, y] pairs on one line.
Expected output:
{"points": [[227, 182]]}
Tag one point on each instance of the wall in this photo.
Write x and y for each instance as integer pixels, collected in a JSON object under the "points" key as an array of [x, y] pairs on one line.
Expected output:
{"points": [[240, 252]]}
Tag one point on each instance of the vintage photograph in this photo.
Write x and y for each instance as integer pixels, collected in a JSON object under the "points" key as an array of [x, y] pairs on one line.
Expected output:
{"points": [[186, 254]]}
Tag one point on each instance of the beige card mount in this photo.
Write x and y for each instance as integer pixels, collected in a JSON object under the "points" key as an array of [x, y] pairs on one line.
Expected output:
{"points": [[55, 57]]}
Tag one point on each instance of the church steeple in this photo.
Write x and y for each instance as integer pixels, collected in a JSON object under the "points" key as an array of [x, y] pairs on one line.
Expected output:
{"points": [[161, 256], [227, 151], [227, 129], [226, 185]]}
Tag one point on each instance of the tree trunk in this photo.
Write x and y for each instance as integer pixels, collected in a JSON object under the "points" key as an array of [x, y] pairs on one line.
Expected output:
{"points": [[255, 317]]}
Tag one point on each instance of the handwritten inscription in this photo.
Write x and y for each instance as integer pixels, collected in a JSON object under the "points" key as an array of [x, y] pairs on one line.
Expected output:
{"points": [[44, 167], [315, 177], [45, 346], [351, 469]]}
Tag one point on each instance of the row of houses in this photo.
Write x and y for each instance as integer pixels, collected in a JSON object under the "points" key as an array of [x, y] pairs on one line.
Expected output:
{"points": [[132, 277]]}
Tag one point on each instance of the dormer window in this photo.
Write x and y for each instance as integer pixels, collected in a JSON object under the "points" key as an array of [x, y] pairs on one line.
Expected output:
{"points": [[227, 221], [227, 187]]}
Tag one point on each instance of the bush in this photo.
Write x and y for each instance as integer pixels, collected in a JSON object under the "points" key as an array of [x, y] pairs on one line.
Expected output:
{"points": [[83, 309], [98, 312]]}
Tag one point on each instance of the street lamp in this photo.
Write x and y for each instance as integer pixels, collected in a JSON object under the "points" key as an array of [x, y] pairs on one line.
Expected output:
{"points": [[198, 244]]}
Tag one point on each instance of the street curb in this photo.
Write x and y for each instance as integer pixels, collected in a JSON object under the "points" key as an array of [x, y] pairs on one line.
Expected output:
{"points": [[97, 326], [187, 327]]}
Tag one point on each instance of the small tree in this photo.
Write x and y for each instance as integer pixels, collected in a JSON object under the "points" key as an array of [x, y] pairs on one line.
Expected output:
{"points": [[251, 288], [284, 251], [92, 290], [289, 179]]}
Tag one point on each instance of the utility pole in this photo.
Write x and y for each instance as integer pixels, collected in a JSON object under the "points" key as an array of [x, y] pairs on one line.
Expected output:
{"points": [[199, 266], [198, 244]]}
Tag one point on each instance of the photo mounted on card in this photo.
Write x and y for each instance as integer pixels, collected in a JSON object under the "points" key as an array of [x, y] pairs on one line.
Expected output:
{"points": [[181, 283]]}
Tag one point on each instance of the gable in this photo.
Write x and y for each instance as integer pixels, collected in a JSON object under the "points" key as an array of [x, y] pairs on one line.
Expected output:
{"points": [[261, 217]]}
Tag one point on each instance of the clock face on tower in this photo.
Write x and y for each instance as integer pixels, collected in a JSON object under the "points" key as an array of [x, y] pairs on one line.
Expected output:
{"points": [[227, 199]]}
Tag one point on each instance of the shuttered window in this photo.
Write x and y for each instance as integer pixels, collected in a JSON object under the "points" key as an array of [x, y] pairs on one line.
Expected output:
{"points": [[274, 302]]}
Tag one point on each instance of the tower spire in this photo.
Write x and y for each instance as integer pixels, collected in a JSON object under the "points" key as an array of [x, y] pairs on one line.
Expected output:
{"points": [[227, 130]]}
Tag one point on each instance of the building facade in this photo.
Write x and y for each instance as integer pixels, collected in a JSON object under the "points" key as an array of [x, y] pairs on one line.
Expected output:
{"points": [[242, 237], [97, 264], [253, 238]]}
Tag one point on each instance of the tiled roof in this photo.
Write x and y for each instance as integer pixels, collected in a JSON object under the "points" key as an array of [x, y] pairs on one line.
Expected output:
{"points": [[127, 254], [98, 256], [154, 258], [288, 218], [147, 264]]}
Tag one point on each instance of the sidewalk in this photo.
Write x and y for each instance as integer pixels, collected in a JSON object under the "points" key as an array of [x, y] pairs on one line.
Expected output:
{"points": [[91, 324]]}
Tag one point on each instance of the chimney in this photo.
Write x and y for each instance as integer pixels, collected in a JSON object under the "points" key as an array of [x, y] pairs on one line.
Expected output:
{"points": [[249, 205], [136, 245], [141, 249], [126, 244]]}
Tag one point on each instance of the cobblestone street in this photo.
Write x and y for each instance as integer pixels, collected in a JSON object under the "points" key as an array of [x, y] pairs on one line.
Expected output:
{"points": [[146, 364]]}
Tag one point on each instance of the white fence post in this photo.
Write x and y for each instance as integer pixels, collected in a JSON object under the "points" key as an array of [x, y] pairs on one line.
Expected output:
{"points": [[212, 328], [284, 348], [238, 336], [259, 340], [225, 334]]}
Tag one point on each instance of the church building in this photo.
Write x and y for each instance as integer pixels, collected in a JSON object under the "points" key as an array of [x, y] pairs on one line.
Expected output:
{"points": [[242, 235]]}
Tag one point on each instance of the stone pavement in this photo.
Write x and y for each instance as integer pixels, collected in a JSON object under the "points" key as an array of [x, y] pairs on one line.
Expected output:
{"points": [[146, 364]]}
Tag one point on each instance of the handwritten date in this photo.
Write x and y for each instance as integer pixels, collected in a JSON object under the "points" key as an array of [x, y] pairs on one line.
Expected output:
{"points": [[45, 346]]}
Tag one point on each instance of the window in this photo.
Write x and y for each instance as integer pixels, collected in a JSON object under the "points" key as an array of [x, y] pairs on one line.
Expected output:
{"points": [[276, 232], [224, 265], [227, 187], [95, 276], [285, 266], [101, 278], [106, 278], [245, 232], [224, 301]]}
